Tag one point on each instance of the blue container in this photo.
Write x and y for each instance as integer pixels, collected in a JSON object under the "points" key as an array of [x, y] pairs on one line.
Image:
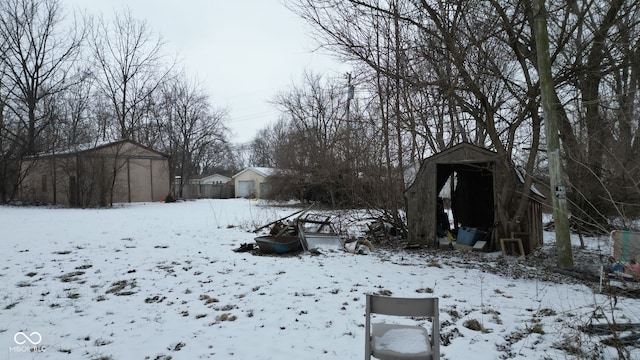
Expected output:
{"points": [[469, 236]]}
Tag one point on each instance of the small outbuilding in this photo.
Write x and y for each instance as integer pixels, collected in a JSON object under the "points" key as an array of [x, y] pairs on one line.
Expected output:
{"points": [[214, 186], [477, 179], [252, 182], [116, 172], [209, 179]]}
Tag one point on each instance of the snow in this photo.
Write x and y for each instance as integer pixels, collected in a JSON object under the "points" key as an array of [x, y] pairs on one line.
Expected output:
{"points": [[160, 281], [403, 339]]}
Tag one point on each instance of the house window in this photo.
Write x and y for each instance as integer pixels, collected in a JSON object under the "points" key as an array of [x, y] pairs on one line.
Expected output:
{"points": [[44, 183]]}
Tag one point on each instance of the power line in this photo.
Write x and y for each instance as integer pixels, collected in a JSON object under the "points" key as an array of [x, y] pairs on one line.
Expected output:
{"points": [[253, 116]]}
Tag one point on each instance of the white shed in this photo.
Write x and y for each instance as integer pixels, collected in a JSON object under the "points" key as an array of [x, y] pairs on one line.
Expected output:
{"points": [[251, 182]]}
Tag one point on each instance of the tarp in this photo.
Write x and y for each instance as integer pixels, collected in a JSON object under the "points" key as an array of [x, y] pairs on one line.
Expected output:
{"points": [[626, 245]]}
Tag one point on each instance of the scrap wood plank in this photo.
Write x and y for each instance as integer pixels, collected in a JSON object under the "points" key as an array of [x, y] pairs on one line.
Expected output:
{"points": [[512, 247], [610, 328], [622, 340], [301, 212]]}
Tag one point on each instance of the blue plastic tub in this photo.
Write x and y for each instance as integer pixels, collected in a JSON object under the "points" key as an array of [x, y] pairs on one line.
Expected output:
{"points": [[469, 236]]}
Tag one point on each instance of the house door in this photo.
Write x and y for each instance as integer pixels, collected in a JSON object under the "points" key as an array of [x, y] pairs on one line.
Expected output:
{"points": [[245, 189]]}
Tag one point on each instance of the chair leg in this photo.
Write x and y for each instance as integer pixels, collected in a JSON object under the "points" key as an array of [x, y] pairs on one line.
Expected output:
{"points": [[367, 346]]}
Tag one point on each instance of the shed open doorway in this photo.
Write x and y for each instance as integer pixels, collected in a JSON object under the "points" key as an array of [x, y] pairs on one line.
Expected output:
{"points": [[467, 189]]}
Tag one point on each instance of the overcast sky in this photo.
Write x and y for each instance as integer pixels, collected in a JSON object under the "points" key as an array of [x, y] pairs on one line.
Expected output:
{"points": [[243, 51]]}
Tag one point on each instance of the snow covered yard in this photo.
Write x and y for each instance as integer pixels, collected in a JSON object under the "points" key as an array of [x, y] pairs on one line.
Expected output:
{"points": [[160, 281]]}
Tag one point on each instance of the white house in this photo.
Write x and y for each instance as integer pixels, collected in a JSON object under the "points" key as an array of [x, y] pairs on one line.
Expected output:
{"points": [[214, 186], [251, 182], [210, 179]]}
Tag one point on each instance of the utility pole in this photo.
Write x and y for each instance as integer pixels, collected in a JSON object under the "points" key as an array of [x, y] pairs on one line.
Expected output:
{"points": [[350, 94], [556, 173]]}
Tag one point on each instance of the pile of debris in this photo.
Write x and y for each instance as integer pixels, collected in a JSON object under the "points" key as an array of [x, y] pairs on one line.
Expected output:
{"points": [[306, 232]]}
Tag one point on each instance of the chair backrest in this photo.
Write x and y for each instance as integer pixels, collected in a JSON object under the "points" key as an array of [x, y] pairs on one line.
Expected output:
{"points": [[626, 245], [386, 305]]}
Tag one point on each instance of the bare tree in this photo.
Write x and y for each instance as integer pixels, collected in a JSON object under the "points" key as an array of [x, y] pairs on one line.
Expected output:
{"points": [[474, 64], [264, 143], [193, 131], [77, 124], [440, 75], [36, 62], [597, 49], [9, 156], [129, 67], [329, 146]]}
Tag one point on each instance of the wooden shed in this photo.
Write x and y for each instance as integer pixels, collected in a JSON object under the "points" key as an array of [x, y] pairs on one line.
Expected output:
{"points": [[116, 172], [476, 177]]}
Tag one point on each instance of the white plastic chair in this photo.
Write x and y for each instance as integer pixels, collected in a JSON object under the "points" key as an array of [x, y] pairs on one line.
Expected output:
{"points": [[394, 341]]}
